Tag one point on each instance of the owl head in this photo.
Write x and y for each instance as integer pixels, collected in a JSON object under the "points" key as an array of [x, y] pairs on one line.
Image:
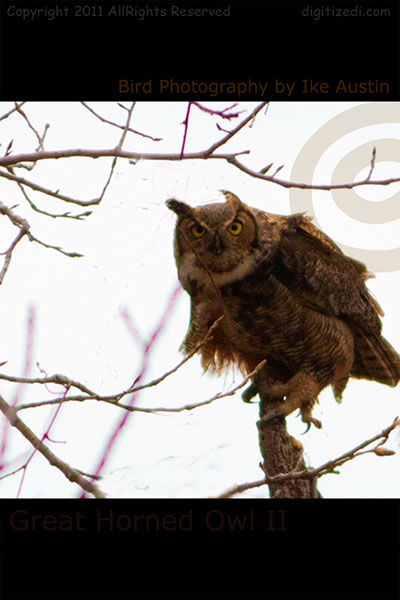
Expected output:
{"points": [[219, 243]]}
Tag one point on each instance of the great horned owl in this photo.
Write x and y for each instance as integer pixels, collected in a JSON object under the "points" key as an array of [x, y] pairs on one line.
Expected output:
{"points": [[287, 294]]}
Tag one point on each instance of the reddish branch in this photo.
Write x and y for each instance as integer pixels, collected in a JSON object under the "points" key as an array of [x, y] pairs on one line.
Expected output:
{"points": [[147, 347], [26, 370], [223, 114]]}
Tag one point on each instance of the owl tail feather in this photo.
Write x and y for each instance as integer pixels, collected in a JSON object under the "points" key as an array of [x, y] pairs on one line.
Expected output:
{"points": [[375, 359]]}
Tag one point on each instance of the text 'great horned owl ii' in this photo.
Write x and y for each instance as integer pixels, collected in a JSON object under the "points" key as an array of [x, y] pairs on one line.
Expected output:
{"points": [[287, 294]]}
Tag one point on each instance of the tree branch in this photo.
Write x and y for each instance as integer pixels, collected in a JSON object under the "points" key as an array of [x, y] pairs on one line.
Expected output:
{"points": [[15, 159], [104, 120], [115, 398], [306, 186], [39, 188], [40, 138], [13, 110], [235, 130], [72, 474], [8, 254], [281, 452], [329, 467]]}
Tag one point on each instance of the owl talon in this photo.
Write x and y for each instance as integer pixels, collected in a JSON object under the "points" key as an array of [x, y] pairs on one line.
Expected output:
{"points": [[310, 422], [316, 423], [301, 392], [249, 393], [306, 416]]}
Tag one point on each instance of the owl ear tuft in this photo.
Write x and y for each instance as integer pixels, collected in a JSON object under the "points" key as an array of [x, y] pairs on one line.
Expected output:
{"points": [[179, 208], [293, 221], [231, 199]]}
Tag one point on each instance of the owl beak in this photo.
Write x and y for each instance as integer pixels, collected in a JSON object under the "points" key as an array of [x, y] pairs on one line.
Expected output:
{"points": [[216, 246]]}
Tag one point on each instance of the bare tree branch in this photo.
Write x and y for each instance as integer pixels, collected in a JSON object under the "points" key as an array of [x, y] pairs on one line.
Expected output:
{"points": [[328, 467], [186, 126], [234, 131], [372, 167], [67, 215], [242, 487], [72, 474], [8, 254], [224, 113], [118, 147], [24, 226], [39, 188], [113, 399], [104, 120], [307, 186], [15, 159], [13, 110], [57, 379], [40, 138]]}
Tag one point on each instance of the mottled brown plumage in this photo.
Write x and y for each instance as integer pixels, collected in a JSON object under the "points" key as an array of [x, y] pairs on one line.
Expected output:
{"points": [[287, 294]]}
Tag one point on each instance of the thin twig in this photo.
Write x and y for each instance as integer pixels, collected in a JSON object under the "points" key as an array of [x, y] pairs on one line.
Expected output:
{"points": [[185, 124], [104, 120], [40, 138], [328, 467], [13, 110], [372, 167], [39, 188], [381, 437], [242, 487], [24, 226], [224, 114], [33, 206], [235, 130], [32, 238], [307, 186], [118, 147], [114, 400], [57, 379], [8, 254]]}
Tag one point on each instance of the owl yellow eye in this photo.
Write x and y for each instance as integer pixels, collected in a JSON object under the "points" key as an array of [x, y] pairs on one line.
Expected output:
{"points": [[235, 227], [198, 231]]}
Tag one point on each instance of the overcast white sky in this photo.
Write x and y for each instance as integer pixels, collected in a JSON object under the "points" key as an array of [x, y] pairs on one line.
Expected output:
{"points": [[128, 263]]}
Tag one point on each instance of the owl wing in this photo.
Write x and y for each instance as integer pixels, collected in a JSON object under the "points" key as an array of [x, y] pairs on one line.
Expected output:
{"points": [[321, 277]]}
